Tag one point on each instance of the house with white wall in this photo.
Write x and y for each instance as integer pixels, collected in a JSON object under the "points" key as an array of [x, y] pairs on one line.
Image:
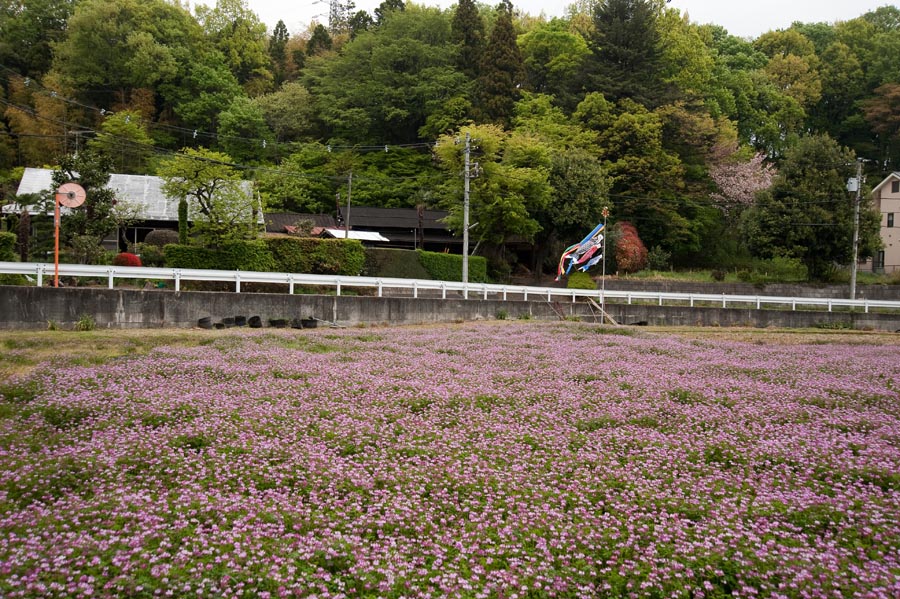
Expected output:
{"points": [[886, 200]]}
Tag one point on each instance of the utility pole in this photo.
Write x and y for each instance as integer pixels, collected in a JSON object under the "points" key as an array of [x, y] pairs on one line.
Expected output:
{"points": [[465, 264], [347, 219], [856, 228]]}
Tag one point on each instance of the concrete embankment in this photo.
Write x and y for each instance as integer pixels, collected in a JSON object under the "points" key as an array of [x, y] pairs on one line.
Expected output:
{"points": [[34, 307]]}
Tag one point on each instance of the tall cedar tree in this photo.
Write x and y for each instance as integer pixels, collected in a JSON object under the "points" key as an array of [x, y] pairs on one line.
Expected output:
{"points": [[627, 51], [502, 71], [278, 50], [467, 32]]}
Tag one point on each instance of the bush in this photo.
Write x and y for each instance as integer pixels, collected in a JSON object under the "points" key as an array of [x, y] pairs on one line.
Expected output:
{"points": [[448, 267], [235, 255], [126, 259], [631, 255], [161, 237], [7, 247], [659, 259], [317, 256], [151, 255], [580, 280], [400, 264]]}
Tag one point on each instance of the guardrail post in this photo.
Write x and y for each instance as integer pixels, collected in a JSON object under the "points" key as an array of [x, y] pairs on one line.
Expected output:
{"points": [[504, 294], [40, 275], [866, 305], [443, 291], [237, 282], [415, 290], [573, 296], [629, 299], [485, 290], [465, 291], [291, 284], [829, 305], [660, 300], [338, 287], [793, 305], [758, 302], [691, 296], [724, 301], [380, 288], [177, 274], [525, 295], [548, 296], [109, 271]]}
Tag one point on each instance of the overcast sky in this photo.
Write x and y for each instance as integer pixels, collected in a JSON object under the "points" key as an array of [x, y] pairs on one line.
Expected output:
{"points": [[743, 18]]}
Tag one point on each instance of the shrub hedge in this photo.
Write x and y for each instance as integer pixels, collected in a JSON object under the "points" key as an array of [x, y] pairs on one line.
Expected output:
{"points": [[448, 267], [317, 256], [580, 280], [7, 247], [394, 263], [235, 255]]}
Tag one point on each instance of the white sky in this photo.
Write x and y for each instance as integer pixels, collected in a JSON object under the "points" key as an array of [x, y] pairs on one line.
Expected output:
{"points": [[747, 18]]}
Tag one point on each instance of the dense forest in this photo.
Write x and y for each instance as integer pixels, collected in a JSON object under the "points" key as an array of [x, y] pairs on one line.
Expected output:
{"points": [[717, 149]]}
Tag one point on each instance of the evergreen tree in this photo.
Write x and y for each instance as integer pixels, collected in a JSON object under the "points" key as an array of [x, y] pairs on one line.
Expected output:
{"points": [[386, 8], [627, 52], [467, 32], [278, 50], [502, 71], [319, 41]]}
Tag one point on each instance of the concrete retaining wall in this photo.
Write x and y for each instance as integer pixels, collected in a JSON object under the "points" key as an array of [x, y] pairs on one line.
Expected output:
{"points": [[33, 307], [872, 292]]}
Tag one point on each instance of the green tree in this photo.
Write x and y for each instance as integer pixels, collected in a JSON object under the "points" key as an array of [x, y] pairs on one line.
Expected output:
{"points": [[627, 52], [807, 213], [553, 58], [319, 42], [115, 47], [124, 140], [289, 112], [220, 203], [206, 90], [243, 132], [501, 73], [29, 30], [510, 191], [278, 51], [238, 34], [385, 83], [467, 32], [579, 191], [386, 8]]}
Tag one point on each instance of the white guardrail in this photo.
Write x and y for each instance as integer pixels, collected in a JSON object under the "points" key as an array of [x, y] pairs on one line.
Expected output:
{"points": [[38, 272]]}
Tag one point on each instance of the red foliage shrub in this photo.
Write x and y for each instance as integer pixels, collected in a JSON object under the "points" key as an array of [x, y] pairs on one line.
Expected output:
{"points": [[631, 255], [126, 259]]}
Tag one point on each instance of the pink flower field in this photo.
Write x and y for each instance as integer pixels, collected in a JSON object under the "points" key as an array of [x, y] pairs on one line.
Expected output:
{"points": [[515, 460]]}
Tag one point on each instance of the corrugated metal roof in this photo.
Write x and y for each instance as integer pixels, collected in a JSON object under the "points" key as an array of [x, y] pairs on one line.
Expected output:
{"points": [[141, 190]]}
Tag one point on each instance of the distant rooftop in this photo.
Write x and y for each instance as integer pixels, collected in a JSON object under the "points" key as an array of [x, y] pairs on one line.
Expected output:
{"points": [[141, 190]]}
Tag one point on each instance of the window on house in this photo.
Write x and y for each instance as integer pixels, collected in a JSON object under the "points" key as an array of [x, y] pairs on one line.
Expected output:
{"points": [[890, 219], [879, 260], [895, 186]]}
